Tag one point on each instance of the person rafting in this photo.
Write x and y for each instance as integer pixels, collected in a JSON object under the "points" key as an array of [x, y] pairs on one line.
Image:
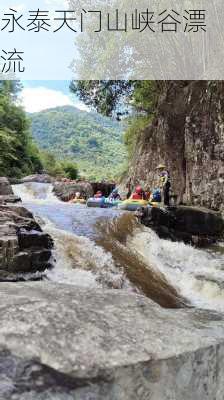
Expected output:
{"points": [[156, 196], [139, 194], [128, 186], [164, 183], [98, 195], [114, 195]]}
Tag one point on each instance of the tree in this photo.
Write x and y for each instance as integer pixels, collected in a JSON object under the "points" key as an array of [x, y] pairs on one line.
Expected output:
{"points": [[70, 169], [135, 99], [118, 97], [106, 96], [18, 153]]}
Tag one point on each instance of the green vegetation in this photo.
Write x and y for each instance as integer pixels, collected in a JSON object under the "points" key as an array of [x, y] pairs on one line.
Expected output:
{"points": [[71, 139], [93, 142], [104, 96], [70, 169], [118, 97], [54, 167], [138, 99], [18, 154]]}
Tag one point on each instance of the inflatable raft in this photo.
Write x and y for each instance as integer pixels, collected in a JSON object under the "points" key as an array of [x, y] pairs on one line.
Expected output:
{"points": [[132, 205], [77, 201], [102, 202]]}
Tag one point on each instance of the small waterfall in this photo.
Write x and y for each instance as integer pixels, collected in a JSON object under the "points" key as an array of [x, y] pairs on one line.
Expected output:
{"points": [[197, 274], [34, 192], [79, 261], [171, 273]]}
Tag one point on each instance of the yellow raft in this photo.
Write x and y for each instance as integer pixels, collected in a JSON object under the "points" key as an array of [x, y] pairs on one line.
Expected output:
{"points": [[133, 205], [78, 201]]}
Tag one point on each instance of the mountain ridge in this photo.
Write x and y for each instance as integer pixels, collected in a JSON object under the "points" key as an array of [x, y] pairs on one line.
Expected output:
{"points": [[93, 141]]}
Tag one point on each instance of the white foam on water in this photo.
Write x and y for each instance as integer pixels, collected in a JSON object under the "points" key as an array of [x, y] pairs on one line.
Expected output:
{"points": [[197, 274], [34, 192], [81, 262]]}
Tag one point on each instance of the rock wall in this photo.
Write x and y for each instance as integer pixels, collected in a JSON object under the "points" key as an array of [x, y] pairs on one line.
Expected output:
{"points": [[62, 342], [187, 134], [5, 187], [24, 248], [6, 192]]}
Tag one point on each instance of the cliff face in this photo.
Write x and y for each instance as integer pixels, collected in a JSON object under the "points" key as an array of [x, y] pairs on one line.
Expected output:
{"points": [[187, 134]]}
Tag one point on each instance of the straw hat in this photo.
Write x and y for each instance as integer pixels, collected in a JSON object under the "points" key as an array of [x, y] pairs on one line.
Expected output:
{"points": [[161, 166]]}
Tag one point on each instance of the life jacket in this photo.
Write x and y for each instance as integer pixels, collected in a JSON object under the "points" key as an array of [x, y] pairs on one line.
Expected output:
{"points": [[115, 196], [163, 176], [156, 196], [137, 196]]}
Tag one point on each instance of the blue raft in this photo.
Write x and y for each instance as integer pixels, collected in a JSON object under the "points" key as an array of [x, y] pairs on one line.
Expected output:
{"points": [[102, 202]]}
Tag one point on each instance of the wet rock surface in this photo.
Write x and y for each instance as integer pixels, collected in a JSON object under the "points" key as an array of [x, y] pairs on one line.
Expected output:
{"points": [[194, 225], [10, 199], [39, 178], [23, 246], [6, 192], [5, 187], [62, 342], [67, 190]]}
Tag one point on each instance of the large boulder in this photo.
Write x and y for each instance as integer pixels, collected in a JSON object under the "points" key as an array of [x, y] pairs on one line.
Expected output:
{"points": [[67, 190], [10, 199], [199, 226], [39, 178], [5, 187], [6, 192], [105, 187], [23, 246], [65, 343]]}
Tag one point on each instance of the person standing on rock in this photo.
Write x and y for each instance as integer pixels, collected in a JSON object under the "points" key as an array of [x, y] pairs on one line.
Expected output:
{"points": [[164, 183], [129, 186]]}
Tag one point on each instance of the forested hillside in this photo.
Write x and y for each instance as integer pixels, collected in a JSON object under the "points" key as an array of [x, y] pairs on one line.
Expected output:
{"points": [[18, 154], [93, 141]]}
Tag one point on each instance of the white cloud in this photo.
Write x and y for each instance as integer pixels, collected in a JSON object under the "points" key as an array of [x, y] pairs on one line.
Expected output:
{"points": [[42, 98]]}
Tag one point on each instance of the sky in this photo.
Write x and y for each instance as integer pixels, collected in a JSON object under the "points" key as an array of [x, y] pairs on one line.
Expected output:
{"points": [[46, 55], [41, 95]]}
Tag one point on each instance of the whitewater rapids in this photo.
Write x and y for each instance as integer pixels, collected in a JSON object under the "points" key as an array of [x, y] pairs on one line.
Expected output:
{"points": [[109, 249]]}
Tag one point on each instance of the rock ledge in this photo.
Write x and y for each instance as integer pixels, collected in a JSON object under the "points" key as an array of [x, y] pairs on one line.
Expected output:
{"points": [[62, 342]]}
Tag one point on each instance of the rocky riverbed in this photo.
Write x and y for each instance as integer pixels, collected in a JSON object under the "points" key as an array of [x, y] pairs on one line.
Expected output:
{"points": [[66, 342], [65, 189]]}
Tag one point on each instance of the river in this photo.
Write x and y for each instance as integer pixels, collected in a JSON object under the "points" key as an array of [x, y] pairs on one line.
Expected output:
{"points": [[108, 248]]}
